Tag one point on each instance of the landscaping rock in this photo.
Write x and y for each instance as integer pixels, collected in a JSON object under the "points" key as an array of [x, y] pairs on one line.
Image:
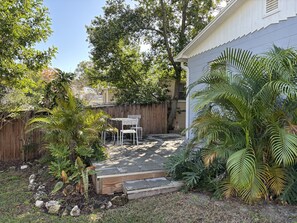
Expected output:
{"points": [[65, 213], [23, 167], [39, 195], [69, 189], [75, 212], [32, 186], [41, 188], [108, 205], [53, 207], [32, 178], [119, 200], [39, 204]]}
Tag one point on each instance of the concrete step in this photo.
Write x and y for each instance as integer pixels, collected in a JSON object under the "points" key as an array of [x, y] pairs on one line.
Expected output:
{"points": [[149, 187]]}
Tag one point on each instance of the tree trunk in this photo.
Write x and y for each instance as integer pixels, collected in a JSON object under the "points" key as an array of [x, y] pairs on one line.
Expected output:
{"points": [[176, 67], [173, 105]]}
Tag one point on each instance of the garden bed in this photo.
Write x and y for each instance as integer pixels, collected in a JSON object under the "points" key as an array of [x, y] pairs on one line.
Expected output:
{"points": [[17, 205]]}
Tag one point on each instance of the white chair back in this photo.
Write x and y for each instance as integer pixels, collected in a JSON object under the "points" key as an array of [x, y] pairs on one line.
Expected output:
{"points": [[138, 117], [132, 122]]}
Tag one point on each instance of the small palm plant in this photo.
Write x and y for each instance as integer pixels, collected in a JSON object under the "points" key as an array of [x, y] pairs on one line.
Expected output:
{"points": [[247, 117], [70, 132]]}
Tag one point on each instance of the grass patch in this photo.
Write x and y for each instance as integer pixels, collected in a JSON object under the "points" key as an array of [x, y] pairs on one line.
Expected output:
{"points": [[16, 205]]}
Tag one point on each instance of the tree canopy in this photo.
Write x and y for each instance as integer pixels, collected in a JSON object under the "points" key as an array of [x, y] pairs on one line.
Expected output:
{"points": [[167, 26], [134, 75], [23, 23]]}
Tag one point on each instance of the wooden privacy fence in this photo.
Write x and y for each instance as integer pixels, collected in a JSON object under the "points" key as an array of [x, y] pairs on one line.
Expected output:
{"points": [[153, 116], [15, 144]]}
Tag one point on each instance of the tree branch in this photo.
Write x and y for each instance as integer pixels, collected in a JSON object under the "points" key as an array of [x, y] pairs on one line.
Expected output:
{"points": [[182, 37], [153, 29], [165, 36]]}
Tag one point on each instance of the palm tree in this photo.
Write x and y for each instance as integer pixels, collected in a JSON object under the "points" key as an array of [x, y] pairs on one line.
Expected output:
{"points": [[247, 117], [70, 127]]}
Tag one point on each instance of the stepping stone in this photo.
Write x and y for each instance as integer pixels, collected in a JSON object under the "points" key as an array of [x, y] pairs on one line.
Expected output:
{"points": [[149, 187], [136, 185], [158, 182]]}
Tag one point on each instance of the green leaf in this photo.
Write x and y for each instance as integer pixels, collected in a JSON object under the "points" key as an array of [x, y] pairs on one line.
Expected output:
{"points": [[283, 145], [257, 188], [289, 194], [58, 186], [79, 163], [241, 167], [277, 179]]}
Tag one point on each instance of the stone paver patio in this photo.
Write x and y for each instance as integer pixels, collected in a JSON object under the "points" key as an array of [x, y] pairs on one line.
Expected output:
{"points": [[149, 155]]}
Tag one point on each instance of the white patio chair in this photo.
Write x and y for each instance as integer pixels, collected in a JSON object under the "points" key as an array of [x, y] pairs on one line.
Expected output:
{"points": [[127, 125], [138, 128]]}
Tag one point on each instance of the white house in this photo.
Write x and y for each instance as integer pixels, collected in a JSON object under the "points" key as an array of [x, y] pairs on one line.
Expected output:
{"points": [[253, 25]]}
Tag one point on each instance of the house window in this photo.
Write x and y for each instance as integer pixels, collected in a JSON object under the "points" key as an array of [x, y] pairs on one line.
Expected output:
{"points": [[271, 5], [182, 91]]}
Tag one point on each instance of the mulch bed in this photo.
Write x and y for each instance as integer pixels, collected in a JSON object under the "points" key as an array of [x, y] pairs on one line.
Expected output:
{"points": [[10, 164]]}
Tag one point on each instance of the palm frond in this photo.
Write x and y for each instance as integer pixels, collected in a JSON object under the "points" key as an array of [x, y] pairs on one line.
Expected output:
{"points": [[283, 145], [256, 189], [289, 194], [231, 94], [213, 152], [241, 167], [243, 62], [277, 179], [281, 63], [226, 188]]}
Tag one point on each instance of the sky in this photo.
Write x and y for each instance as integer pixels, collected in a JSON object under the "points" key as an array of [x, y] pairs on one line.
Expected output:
{"points": [[69, 18]]}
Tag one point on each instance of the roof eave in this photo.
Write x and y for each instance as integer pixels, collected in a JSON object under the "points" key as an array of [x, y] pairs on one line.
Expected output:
{"points": [[181, 59]]}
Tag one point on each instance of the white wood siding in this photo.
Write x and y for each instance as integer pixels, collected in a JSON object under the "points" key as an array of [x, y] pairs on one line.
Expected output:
{"points": [[282, 34], [239, 21]]}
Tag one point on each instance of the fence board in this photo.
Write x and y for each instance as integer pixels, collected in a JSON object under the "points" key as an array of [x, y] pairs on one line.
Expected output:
{"points": [[153, 116], [13, 138]]}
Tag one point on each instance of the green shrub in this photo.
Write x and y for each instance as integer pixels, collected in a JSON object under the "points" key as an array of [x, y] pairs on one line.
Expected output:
{"points": [[58, 165], [71, 131], [188, 166], [176, 164], [100, 152]]}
